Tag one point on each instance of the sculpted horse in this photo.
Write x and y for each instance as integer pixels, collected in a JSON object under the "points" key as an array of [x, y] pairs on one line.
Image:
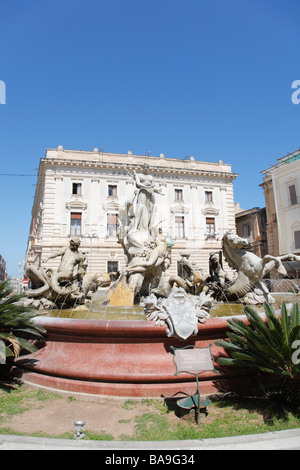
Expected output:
{"points": [[251, 268]]}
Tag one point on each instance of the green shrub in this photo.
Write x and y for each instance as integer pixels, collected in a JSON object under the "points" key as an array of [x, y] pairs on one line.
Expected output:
{"points": [[267, 346], [16, 326]]}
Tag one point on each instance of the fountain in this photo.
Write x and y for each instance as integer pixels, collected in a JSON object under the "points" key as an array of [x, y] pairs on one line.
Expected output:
{"points": [[133, 357]]}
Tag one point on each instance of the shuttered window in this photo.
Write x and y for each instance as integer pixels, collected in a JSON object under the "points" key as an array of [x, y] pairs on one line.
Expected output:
{"points": [[293, 195], [210, 225], [179, 227], [75, 223], [112, 225]]}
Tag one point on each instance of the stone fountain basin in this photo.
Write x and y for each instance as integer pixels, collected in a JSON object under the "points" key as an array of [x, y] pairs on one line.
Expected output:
{"points": [[126, 358], [121, 359]]}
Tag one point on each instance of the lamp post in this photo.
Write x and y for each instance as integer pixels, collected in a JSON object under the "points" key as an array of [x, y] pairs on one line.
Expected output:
{"points": [[79, 427], [211, 236], [90, 236]]}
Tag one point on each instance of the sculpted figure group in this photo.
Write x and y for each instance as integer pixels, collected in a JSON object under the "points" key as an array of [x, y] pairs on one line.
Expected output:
{"points": [[69, 284], [245, 284], [148, 253], [147, 249]]}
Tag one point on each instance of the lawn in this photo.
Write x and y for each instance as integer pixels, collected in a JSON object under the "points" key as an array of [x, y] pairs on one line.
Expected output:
{"points": [[26, 411]]}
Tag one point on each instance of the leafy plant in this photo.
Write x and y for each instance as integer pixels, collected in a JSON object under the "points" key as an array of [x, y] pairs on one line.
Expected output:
{"points": [[265, 346], [16, 325]]}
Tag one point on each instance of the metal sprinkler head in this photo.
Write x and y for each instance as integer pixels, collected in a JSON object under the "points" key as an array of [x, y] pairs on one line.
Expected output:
{"points": [[78, 427]]}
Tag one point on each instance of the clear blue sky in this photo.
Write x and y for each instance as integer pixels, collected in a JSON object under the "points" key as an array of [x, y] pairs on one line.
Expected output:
{"points": [[205, 78]]}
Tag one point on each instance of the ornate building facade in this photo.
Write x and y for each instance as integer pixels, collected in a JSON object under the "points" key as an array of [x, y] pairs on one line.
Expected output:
{"points": [[3, 271], [251, 224], [83, 193], [281, 185]]}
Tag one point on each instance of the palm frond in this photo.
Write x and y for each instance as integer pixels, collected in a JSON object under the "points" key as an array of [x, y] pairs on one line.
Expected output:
{"points": [[16, 325], [263, 345]]}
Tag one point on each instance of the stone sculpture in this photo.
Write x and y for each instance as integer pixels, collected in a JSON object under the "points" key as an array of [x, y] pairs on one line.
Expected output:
{"points": [[148, 252], [65, 276], [148, 249], [247, 285], [180, 312], [69, 284], [216, 270], [194, 278]]}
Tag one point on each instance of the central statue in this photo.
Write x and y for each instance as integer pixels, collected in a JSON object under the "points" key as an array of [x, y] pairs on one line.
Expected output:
{"points": [[140, 209], [148, 250]]}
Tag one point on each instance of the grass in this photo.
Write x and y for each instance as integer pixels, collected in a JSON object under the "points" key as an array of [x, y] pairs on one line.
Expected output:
{"points": [[226, 416], [20, 399]]}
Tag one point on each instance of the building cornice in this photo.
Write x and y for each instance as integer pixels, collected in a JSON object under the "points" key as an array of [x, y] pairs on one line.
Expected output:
{"points": [[287, 159], [123, 167]]}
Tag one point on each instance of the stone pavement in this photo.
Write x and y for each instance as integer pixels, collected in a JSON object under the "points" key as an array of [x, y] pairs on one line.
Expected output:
{"points": [[280, 440]]}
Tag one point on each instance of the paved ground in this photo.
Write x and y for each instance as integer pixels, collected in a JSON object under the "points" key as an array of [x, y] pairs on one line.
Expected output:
{"points": [[281, 440]]}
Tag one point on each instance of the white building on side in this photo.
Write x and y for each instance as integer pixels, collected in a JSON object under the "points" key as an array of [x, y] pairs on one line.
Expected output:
{"points": [[281, 186], [82, 192]]}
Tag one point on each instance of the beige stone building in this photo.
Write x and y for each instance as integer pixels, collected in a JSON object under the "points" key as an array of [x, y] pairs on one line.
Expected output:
{"points": [[281, 185], [83, 192], [251, 224], [3, 271]]}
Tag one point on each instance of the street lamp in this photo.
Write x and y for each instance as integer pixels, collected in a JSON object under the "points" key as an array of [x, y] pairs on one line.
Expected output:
{"points": [[211, 235], [90, 236], [79, 427]]}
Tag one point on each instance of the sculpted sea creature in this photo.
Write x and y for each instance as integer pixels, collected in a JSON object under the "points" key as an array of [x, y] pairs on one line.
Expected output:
{"points": [[66, 285], [194, 278], [91, 282], [251, 269]]}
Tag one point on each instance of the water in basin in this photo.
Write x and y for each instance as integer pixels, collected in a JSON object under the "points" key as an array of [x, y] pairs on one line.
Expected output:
{"points": [[97, 311]]}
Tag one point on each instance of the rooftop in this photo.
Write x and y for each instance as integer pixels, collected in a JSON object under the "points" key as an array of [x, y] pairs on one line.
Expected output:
{"points": [[289, 158], [159, 163]]}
